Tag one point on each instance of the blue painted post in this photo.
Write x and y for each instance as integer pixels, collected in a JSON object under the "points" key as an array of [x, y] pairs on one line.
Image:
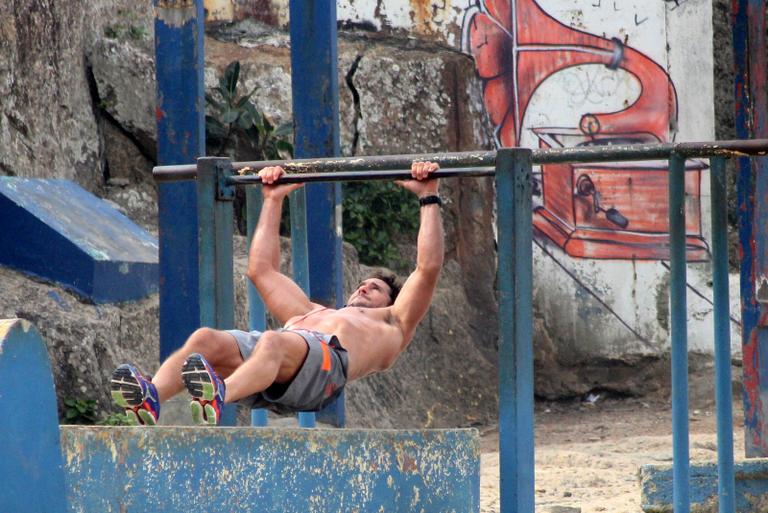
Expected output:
{"points": [[180, 140], [315, 89], [516, 441], [257, 314], [752, 186], [720, 291], [300, 264], [214, 219], [679, 325], [32, 468]]}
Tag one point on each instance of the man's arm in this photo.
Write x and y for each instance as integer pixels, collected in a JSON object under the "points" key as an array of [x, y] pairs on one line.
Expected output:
{"points": [[413, 301], [282, 297]]}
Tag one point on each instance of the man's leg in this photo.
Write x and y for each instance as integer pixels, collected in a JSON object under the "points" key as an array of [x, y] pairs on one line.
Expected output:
{"points": [[141, 398], [218, 347], [276, 359]]}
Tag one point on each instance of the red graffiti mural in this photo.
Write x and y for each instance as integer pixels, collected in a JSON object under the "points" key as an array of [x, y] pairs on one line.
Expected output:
{"points": [[591, 211]]}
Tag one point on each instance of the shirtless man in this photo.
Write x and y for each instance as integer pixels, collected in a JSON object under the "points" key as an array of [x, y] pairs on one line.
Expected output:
{"points": [[304, 365]]}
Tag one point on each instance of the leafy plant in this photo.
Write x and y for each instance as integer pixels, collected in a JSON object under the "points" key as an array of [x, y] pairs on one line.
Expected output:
{"points": [[115, 419], [233, 123], [376, 216], [234, 126], [79, 411]]}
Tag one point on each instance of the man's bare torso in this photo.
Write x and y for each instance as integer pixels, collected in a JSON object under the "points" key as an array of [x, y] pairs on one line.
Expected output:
{"points": [[371, 337]]}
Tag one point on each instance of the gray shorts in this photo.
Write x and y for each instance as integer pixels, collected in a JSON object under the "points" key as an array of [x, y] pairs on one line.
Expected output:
{"points": [[319, 381]]}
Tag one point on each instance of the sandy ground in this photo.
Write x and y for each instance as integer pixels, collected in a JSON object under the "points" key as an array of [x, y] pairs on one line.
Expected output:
{"points": [[588, 454]]}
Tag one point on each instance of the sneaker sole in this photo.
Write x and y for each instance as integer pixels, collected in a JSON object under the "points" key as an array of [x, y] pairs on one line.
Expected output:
{"points": [[203, 415], [197, 379], [125, 388], [146, 418]]}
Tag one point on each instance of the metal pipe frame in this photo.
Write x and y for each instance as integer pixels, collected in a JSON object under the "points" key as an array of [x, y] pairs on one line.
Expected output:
{"points": [[512, 171], [679, 332], [481, 161], [515, 279], [720, 293]]}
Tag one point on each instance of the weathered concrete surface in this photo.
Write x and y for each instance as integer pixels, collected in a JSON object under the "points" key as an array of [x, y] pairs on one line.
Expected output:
{"points": [[288, 470], [425, 19], [751, 491]]}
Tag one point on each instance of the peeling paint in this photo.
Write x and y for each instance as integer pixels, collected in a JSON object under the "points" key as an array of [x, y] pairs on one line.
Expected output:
{"points": [[175, 13], [274, 469]]}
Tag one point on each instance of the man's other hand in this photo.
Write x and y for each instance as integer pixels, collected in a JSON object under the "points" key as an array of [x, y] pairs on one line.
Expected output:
{"points": [[268, 177], [422, 185]]}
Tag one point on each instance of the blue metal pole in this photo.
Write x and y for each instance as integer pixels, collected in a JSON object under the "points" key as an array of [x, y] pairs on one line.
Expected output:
{"points": [[257, 314], [315, 92], [723, 391], [315, 88], [515, 276], [679, 325], [300, 264], [215, 268], [752, 186], [180, 140]]}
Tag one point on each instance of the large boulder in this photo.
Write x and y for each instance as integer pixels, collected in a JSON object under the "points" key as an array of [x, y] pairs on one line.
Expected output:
{"points": [[49, 122], [85, 341]]}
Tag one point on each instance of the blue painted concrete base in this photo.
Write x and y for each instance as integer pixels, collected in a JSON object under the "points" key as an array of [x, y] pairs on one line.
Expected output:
{"points": [[751, 487], [31, 465], [177, 469], [58, 231]]}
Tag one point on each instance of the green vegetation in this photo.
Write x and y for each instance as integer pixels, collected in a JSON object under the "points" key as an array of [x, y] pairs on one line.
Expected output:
{"points": [[83, 411], [120, 31], [130, 27], [115, 419], [234, 123], [79, 411], [376, 216]]}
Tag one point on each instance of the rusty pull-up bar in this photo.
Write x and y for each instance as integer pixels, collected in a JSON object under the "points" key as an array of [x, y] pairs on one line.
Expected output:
{"points": [[393, 167], [352, 176]]}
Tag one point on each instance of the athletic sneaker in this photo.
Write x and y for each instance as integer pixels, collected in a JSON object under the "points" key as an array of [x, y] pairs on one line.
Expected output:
{"points": [[206, 388], [136, 395]]}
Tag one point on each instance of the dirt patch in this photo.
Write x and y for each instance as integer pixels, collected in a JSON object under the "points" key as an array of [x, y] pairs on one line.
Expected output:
{"points": [[588, 454]]}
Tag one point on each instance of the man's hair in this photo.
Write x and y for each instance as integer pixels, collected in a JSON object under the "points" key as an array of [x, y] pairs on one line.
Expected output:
{"points": [[391, 280]]}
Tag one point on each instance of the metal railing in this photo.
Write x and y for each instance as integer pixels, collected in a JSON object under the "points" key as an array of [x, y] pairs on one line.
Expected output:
{"points": [[512, 168]]}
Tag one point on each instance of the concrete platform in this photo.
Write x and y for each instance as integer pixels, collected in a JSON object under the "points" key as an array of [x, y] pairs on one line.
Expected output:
{"points": [[751, 487], [58, 231], [182, 469]]}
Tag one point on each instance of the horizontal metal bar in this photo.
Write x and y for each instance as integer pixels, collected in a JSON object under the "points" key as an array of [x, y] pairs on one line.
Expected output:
{"points": [[352, 176], [481, 159], [737, 148]]}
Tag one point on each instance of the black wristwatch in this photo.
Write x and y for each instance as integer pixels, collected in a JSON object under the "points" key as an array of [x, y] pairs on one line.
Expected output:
{"points": [[430, 200]]}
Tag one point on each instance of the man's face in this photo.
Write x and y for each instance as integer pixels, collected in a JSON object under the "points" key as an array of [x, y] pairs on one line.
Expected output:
{"points": [[371, 293]]}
